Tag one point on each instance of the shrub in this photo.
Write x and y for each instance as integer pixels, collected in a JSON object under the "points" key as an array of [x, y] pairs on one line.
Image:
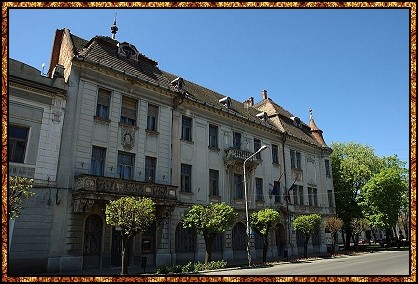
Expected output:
{"points": [[191, 267]]}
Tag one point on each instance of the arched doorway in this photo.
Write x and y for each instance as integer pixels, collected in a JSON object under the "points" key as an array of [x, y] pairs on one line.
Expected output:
{"points": [[92, 243], [280, 239]]}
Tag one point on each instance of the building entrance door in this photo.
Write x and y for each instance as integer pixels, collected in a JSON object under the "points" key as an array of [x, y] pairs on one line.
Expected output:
{"points": [[92, 241]]}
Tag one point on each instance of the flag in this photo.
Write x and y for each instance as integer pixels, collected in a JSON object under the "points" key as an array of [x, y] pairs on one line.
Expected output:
{"points": [[275, 190]]}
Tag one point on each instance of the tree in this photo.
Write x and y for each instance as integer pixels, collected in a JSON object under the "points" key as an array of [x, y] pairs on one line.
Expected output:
{"points": [[263, 222], [18, 193], [307, 224], [209, 220], [333, 224], [383, 198], [132, 215], [358, 225], [353, 165]]}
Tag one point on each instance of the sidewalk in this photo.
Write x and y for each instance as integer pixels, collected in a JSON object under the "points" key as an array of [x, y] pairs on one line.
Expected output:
{"points": [[151, 270]]}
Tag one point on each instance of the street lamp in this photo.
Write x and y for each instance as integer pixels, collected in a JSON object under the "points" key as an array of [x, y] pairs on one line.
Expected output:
{"points": [[246, 203]]}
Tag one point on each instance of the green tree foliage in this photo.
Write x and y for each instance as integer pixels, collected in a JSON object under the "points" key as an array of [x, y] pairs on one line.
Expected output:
{"points": [[263, 222], [334, 225], [132, 215], [383, 198], [18, 193], [209, 220], [353, 165], [307, 225]]}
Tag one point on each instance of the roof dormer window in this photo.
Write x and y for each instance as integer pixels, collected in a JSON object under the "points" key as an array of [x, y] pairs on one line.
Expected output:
{"points": [[128, 50], [296, 121], [226, 101]]}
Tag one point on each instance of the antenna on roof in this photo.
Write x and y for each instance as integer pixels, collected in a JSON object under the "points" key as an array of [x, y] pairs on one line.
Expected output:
{"points": [[114, 28]]}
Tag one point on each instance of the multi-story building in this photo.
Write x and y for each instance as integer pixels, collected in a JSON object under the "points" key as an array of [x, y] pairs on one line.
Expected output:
{"points": [[35, 121], [133, 129]]}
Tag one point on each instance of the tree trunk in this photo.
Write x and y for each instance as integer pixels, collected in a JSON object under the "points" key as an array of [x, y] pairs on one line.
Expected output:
{"points": [[334, 241], [209, 245], [348, 240], [265, 245], [125, 240]]}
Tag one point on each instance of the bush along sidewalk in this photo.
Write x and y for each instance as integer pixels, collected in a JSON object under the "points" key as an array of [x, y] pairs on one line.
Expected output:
{"points": [[191, 267]]}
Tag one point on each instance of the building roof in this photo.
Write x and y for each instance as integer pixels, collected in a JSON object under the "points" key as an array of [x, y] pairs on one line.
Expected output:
{"points": [[104, 51]]}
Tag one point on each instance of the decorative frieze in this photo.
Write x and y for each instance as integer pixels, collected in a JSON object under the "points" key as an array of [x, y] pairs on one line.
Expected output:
{"points": [[123, 187]]}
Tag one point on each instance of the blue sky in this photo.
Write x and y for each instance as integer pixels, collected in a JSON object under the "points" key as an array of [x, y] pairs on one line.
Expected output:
{"points": [[351, 66]]}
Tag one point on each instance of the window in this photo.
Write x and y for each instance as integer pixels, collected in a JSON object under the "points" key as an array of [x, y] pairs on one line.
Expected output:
{"points": [[327, 169], [257, 146], [185, 239], [128, 111], [276, 191], [152, 117], [258, 189], [258, 241], [125, 165], [186, 128], [300, 195], [238, 187], [213, 136], [330, 199], [313, 196], [214, 182], [218, 242], [98, 156], [186, 178], [150, 166], [239, 237], [103, 103], [237, 140], [18, 139], [275, 153], [295, 159]]}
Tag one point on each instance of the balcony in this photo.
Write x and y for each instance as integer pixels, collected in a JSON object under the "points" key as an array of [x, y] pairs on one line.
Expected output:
{"points": [[99, 187], [22, 170], [235, 157]]}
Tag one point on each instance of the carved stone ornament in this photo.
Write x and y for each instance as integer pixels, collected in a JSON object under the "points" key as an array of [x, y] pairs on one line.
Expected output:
{"points": [[127, 138]]}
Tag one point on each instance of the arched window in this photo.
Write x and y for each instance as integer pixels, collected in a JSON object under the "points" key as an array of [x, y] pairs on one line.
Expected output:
{"points": [[239, 237], [185, 239]]}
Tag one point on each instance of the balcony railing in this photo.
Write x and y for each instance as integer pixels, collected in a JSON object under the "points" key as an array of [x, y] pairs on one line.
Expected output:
{"points": [[99, 184], [236, 157]]}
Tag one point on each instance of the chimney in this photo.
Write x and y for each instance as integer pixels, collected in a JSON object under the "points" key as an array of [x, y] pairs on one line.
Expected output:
{"points": [[264, 95], [58, 71], [251, 101]]}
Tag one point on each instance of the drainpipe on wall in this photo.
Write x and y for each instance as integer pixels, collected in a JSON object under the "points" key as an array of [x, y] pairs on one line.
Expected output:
{"points": [[286, 192]]}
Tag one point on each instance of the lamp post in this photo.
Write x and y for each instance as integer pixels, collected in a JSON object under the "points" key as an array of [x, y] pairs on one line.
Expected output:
{"points": [[246, 203]]}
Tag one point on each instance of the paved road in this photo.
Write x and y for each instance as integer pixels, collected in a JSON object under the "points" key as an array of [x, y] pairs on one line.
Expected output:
{"points": [[382, 263]]}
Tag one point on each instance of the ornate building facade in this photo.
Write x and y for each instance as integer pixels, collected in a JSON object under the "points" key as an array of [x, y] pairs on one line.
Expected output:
{"points": [[131, 128]]}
